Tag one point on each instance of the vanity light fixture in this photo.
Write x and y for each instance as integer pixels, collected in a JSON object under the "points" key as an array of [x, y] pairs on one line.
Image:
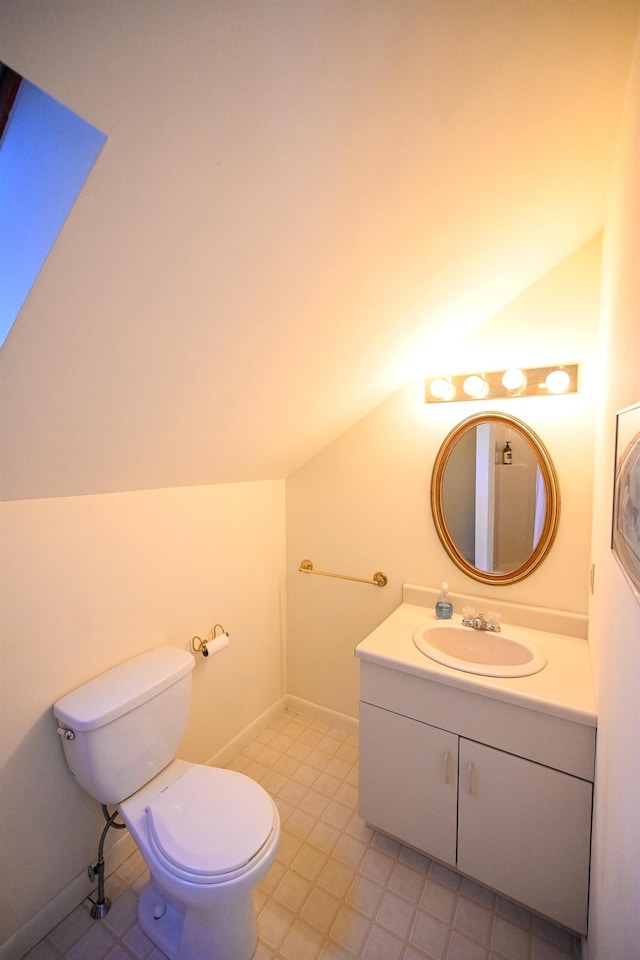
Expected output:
{"points": [[504, 384]]}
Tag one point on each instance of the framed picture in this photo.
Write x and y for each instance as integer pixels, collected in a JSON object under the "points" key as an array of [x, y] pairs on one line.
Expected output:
{"points": [[625, 536]]}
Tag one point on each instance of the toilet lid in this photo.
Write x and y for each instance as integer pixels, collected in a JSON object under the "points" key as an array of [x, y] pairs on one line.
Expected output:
{"points": [[211, 821]]}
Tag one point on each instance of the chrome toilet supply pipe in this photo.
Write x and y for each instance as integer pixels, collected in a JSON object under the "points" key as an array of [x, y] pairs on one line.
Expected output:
{"points": [[102, 905]]}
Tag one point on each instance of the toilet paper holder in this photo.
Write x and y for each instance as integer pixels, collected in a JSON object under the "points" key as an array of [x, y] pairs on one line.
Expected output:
{"points": [[218, 641]]}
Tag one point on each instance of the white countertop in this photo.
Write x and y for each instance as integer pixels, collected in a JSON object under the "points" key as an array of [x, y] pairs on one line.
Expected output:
{"points": [[563, 688]]}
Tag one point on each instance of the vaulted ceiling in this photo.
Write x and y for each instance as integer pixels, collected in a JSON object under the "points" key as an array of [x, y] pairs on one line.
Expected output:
{"points": [[297, 205]]}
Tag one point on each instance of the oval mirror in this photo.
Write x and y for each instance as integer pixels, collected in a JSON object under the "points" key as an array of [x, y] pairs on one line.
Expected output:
{"points": [[495, 498]]}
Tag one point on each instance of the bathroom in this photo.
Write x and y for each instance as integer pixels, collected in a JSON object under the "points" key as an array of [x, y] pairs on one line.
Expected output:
{"points": [[113, 550]]}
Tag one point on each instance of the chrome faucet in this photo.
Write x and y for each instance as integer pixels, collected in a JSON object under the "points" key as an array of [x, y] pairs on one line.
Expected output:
{"points": [[479, 622]]}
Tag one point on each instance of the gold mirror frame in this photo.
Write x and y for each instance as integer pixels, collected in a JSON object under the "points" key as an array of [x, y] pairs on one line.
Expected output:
{"points": [[551, 489]]}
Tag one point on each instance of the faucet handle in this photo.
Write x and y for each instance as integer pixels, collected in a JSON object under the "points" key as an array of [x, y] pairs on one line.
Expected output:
{"points": [[468, 613], [494, 619]]}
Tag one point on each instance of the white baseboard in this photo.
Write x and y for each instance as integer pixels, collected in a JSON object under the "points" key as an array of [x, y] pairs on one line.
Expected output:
{"points": [[228, 752], [333, 719], [288, 702], [62, 904]]}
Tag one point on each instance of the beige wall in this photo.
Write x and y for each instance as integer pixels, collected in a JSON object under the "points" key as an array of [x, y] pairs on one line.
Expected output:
{"points": [[90, 581], [614, 612], [293, 201], [362, 504]]}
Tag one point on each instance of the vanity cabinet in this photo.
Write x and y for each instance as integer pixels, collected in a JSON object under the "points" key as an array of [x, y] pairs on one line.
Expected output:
{"points": [[525, 830], [500, 792], [409, 781]]}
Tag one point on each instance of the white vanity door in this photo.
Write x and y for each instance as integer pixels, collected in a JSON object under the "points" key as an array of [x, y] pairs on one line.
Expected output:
{"points": [[525, 830], [408, 780]]}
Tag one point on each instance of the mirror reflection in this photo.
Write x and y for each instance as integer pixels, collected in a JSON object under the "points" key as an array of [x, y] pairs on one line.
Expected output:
{"points": [[495, 498]]}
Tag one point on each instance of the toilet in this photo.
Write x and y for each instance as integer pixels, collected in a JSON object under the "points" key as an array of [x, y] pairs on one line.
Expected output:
{"points": [[208, 835]]}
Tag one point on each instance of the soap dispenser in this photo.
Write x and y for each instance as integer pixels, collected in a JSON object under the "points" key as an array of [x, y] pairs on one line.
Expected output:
{"points": [[444, 607]]}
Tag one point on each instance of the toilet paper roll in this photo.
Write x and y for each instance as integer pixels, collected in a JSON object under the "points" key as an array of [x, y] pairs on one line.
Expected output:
{"points": [[217, 644]]}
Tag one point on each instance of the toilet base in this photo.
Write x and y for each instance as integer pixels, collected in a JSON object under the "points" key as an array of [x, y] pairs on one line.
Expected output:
{"points": [[226, 931]]}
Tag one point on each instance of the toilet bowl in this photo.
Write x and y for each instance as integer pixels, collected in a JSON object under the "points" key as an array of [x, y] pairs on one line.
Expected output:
{"points": [[208, 836]]}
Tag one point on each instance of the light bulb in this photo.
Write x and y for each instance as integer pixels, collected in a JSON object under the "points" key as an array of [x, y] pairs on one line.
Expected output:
{"points": [[514, 379], [475, 387], [558, 381], [442, 389]]}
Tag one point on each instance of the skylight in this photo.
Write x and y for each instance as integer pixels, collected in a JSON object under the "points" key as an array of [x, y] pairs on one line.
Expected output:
{"points": [[46, 154]]}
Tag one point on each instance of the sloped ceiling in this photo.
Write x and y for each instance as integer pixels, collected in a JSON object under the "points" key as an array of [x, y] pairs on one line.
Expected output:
{"points": [[299, 206]]}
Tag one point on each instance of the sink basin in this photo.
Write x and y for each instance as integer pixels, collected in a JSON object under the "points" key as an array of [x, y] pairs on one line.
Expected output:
{"points": [[478, 651]]}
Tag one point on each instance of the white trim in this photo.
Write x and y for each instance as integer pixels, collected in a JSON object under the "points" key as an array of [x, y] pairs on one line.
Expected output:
{"points": [[288, 702], [228, 752], [333, 719]]}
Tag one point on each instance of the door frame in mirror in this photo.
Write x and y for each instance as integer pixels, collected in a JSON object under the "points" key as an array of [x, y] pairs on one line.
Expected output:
{"points": [[551, 489]]}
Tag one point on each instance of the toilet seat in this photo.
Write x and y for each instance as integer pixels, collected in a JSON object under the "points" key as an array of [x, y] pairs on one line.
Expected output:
{"points": [[210, 824]]}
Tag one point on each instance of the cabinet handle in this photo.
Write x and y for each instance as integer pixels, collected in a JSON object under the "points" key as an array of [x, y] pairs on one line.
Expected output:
{"points": [[472, 779], [448, 773]]}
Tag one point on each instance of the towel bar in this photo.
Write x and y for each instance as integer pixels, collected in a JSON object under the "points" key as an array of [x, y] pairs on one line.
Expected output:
{"points": [[379, 579]]}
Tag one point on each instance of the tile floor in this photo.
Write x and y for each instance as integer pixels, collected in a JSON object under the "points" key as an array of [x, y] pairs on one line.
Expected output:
{"points": [[338, 890]]}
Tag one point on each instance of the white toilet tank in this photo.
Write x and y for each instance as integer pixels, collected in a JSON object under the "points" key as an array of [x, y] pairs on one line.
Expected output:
{"points": [[123, 727]]}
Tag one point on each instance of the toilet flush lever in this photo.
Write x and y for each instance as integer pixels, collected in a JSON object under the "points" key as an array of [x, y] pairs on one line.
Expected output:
{"points": [[67, 734]]}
